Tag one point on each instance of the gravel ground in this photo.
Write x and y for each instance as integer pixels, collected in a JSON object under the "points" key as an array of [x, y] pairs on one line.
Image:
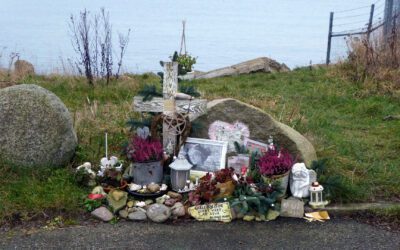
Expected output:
{"points": [[283, 233]]}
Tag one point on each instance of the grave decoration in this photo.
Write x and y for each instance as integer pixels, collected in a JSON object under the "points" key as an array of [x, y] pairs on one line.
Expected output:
{"points": [[316, 197], [256, 189]]}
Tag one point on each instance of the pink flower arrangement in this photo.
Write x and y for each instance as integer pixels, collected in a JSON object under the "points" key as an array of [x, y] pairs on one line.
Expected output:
{"points": [[144, 150], [275, 162]]}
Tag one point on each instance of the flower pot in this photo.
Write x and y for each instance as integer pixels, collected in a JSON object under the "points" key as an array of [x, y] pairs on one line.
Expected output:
{"points": [[144, 173], [122, 186], [283, 180]]}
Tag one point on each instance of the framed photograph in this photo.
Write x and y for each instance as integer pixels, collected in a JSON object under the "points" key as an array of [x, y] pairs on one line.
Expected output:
{"points": [[205, 155], [253, 145], [238, 161]]}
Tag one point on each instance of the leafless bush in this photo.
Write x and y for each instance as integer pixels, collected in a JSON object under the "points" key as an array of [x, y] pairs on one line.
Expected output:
{"points": [[92, 41], [375, 60]]}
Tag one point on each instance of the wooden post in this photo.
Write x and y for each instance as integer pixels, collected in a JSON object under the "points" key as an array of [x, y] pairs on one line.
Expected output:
{"points": [[328, 51], [169, 105], [388, 19], [371, 18], [170, 88]]}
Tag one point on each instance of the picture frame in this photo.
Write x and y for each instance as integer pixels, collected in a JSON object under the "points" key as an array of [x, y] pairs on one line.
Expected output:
{"points": [[253, 146], [205, 155]]}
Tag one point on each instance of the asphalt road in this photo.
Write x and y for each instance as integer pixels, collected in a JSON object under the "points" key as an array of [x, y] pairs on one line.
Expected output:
{"points": [[283, 233]]}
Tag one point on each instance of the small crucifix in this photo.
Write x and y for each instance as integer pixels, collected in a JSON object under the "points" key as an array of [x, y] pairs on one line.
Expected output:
{"points": [[169, 105]]}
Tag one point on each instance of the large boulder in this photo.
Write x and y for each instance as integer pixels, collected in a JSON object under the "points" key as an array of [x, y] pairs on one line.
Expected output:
{"points": [[36, 128], [261, 64], [261, 126]]}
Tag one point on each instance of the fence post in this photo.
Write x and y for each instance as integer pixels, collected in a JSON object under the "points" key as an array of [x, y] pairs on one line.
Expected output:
{"points": [[328, 51], [388, 19], [371, 18]]}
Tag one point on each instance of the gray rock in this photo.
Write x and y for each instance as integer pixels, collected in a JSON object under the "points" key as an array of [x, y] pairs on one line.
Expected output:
{"points": [[36, 128], [102, 213], [261, 126], [292, 207], [158, 212], [123, 214], [178, 210], [261, 64], [137, 216]]}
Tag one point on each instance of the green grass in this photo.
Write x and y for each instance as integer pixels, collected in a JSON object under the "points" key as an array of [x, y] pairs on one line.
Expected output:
{"points": [[344, 124], [341, 119], [27, 192]]}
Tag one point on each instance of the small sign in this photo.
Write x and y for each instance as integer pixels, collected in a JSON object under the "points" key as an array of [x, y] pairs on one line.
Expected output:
{"points": [[292, 207], [212, 212]]}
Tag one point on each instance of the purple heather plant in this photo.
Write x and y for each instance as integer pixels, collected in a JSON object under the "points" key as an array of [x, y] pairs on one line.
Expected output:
{"points": [[275, 162], [144, 150]]}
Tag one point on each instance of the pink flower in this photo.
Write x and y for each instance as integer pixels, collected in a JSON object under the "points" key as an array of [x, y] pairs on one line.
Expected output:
{"points": [[275, 162], [144, 150]]}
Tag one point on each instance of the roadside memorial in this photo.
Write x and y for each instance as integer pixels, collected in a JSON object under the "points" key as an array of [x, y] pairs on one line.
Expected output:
{"points": [[240, 165]]}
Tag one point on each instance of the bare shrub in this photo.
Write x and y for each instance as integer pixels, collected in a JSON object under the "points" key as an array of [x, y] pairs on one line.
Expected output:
{"points": [[92, 41], [374, 61]]}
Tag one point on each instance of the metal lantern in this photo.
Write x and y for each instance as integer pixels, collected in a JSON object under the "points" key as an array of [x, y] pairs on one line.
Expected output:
{"points": [[316, 199], [180, 171]]}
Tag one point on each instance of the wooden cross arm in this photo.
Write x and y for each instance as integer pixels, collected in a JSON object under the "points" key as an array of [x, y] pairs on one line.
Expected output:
{"points": [[197, 106]]}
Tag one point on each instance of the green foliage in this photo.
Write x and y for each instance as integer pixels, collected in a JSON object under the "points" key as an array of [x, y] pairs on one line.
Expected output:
{"points": [[334, 185], [186, 63], [136, 123], [247, 200], [91, 205], [240, 149], [190, 90], [148, 92], [254, 171]]}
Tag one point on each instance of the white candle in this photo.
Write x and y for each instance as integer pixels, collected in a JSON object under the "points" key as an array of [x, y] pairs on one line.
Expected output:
{"points": [[106, 147]]}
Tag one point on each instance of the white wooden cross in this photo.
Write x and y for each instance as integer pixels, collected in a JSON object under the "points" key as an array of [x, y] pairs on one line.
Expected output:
{"points": [[169, 105]]}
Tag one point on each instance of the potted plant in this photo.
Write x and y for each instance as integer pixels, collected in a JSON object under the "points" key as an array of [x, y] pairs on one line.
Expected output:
{"points": [[185, 62], [146, 155], [110, 173], [275, 166]]}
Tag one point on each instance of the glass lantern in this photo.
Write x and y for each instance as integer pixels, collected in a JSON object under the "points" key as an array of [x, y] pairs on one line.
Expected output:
{"points": [[316, 198], [180, 172]]}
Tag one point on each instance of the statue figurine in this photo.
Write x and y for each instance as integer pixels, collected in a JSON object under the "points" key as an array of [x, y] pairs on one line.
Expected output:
{"points": [[300, 180]]}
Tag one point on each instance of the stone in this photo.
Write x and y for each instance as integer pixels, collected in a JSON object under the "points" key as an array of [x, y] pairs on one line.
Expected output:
{"points": [[98, 190], [102, 213], [248, 217], [137, 216], [261, 126], [130, 204], [261, 64], [292, 207], [153, 188], [117, 199], [175, 195], [158, 213], [178, 210], [123, 213], [211, 212], [36, 127], [170, 202], [300, 180], [272, 215], [162, 199], [23, 68], [148, 202]]}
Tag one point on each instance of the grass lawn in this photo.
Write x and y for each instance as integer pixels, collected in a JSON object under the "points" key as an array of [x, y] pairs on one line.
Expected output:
{"points": [[342, 120]]}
